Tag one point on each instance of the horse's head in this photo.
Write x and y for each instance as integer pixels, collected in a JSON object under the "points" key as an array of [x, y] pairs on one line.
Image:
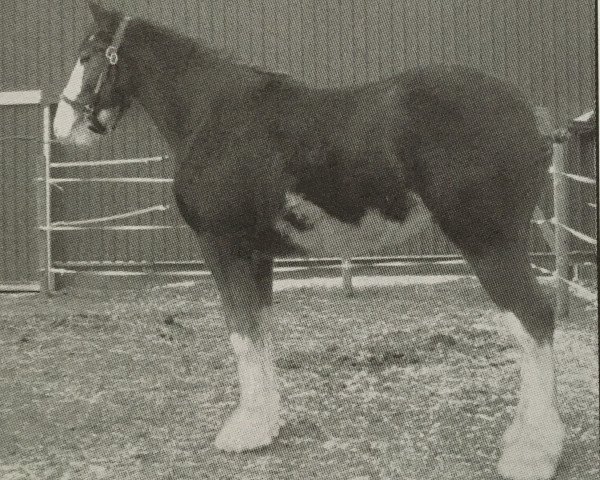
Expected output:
{"points": [[99, 89]]}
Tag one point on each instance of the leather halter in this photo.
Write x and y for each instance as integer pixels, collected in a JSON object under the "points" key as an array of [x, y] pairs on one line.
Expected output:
{"points": [[90, 109]]}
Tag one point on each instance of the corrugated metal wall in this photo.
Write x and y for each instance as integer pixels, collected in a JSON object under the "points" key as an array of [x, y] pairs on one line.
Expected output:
{"points": [[546, 47]]}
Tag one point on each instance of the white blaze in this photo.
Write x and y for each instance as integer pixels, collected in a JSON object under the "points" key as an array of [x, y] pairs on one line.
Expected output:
{"points": [[65, 114], [73, 88]]}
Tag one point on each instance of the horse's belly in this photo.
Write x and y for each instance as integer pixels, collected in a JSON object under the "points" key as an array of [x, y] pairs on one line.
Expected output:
{"points": [[313, 232]]}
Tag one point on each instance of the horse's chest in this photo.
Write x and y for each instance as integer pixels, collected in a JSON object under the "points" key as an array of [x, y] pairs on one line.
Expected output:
{"points": [[314, 232]]}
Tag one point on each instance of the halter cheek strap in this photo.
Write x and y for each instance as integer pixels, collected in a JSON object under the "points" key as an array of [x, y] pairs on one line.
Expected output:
{"points": [[111, 51], [111, 54]]}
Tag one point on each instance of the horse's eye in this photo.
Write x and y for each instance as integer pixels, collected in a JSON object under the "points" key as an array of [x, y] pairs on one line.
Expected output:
{"points": [[84, 58]]}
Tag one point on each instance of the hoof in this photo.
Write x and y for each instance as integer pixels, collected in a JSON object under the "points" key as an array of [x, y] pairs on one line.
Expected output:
{"points": [[247, 430], [531, 451]]}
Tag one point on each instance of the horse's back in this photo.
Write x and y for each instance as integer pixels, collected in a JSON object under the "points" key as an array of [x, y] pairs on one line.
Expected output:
{"points": [[464, 142]]}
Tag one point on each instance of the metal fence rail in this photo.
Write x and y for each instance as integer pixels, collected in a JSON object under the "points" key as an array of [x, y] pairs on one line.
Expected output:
{"points": [[562, 230], [557, 237]]}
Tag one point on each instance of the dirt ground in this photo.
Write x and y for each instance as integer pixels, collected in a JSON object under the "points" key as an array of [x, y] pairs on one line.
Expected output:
{"points": [[411, 382]]}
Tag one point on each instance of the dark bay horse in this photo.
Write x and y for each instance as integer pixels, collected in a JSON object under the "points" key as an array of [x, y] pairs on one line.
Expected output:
{"points": [[266, 166]]}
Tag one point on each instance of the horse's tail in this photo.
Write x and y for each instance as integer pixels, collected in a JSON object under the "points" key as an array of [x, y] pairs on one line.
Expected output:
{"points": [[546, 129]]}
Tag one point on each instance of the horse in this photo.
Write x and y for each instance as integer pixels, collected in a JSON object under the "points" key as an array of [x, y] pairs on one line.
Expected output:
{"points": [[266, 166]]}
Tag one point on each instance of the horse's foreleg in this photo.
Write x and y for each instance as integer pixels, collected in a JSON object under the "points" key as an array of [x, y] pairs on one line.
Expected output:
{"points": [[245, 286], [533, 443]]}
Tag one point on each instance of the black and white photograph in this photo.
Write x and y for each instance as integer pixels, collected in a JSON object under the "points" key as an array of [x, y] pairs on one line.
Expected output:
{"points": [[299, 239]]}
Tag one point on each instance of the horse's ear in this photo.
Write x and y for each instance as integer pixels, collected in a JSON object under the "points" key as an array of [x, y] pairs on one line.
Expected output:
{"points": [[105, 19]]}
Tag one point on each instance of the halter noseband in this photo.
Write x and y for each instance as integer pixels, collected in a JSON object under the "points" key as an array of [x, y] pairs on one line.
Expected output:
{"points": [[90, 109]]}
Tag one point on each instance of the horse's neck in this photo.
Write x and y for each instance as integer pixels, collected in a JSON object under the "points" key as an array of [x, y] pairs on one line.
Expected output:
{"points": [[179, 97], [169, 114]]}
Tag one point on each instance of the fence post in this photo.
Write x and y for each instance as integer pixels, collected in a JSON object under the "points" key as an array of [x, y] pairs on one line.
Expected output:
{"points": [[43, 209], [561, 213], [347, 277], [545, 228]]}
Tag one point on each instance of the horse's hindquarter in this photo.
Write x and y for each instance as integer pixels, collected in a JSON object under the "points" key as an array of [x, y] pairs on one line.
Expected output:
{"points": [[481, 159]]}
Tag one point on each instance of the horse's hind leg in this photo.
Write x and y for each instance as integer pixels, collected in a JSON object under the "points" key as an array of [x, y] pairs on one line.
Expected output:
{"points": [[245, 285], [533, 443]]}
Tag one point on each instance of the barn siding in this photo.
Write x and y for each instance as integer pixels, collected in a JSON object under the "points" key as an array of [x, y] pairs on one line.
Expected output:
{"points": [[536, 44], [18, 252]]}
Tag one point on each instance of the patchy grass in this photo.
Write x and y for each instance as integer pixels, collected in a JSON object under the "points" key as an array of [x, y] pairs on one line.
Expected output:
{"points": [[410, 382]]}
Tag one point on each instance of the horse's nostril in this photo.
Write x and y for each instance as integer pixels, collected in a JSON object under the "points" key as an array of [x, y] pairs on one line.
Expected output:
{"points": [[96, 127]]}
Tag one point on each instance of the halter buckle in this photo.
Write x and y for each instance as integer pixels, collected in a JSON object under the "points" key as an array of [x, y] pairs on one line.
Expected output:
{"points": [[111, 55]]}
